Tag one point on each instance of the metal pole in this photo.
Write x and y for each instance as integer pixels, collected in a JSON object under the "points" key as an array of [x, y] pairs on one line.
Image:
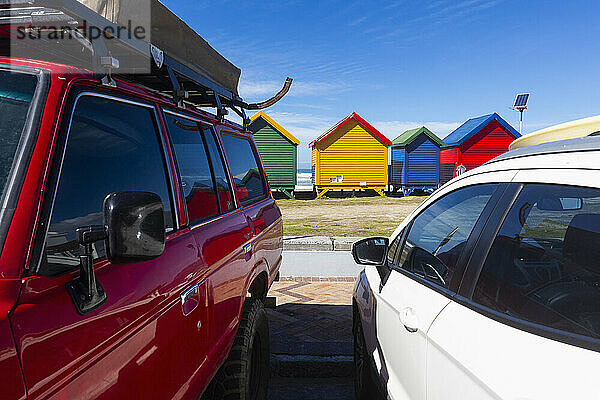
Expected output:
{"points": [[521, 123]]}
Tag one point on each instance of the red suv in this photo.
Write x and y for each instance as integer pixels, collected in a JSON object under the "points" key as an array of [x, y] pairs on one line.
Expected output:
{"points": [[137, 239]]}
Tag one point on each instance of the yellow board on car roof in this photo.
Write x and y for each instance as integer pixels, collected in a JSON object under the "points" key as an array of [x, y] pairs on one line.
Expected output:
{"points": [[568, 130]]}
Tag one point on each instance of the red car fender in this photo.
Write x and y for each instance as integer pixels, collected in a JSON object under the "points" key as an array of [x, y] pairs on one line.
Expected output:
{"points": [[259, 268]]}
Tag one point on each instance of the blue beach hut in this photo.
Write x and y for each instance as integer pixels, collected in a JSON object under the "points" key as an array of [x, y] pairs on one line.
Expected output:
{"points": [[416, 161]]}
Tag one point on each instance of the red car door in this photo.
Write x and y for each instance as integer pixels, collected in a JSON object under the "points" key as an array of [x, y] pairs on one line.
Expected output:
{"points": [[260, 208], [146, 340], [220, 229]]}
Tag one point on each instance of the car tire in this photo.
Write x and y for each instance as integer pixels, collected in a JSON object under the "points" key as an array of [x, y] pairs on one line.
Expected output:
{"points": [[245, 373], [364, 382]]}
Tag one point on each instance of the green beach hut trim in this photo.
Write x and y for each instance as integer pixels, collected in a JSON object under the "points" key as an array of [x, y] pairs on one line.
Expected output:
{"points": [[415, 161], [278, 150], [411, 134]]}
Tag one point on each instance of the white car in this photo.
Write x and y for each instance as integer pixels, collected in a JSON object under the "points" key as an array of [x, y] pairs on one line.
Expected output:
{"points": [[491, 288]]}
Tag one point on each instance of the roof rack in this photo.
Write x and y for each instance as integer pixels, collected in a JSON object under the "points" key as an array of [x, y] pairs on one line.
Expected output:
{"points": [[169, 74]]}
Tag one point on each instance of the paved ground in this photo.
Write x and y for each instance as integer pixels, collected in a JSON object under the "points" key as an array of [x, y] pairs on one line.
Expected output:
{"points": [[319, 263], [311, 339]]}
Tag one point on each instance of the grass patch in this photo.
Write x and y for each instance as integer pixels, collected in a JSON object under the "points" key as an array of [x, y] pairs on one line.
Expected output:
{"points": [[360, 216]]}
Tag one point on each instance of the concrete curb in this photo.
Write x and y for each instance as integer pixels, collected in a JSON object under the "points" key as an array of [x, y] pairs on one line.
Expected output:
{"points": [[310, 243], [318, 243]]}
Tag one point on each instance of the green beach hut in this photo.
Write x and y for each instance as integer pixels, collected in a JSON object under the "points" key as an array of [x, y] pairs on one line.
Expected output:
{"points": [[278, 150]]}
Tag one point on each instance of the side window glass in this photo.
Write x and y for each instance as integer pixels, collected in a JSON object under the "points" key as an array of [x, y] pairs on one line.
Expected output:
{"points": [[438, 235], [247, 177], [194, 168], [544, 264], [105, 153], [221, 178], [391, 256]]}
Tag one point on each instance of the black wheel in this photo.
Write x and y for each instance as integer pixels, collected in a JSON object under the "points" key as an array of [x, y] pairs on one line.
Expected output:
{"points": [[245, 373], [364, 383]]}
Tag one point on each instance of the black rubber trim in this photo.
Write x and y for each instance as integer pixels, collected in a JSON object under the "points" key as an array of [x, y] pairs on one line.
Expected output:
{"points": [[25, 148], [475, 235], [572, 339], [486, 238]]}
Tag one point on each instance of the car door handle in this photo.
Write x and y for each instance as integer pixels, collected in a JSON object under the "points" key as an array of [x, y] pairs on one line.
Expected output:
{"points": [[409, 319], [189, 299]]}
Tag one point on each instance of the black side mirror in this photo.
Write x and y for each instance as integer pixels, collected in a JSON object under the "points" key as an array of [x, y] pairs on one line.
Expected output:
{"points": [[133, 231], [135, 227], [371, 251]]}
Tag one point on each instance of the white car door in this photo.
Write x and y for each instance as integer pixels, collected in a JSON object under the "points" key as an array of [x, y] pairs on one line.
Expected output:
{"points": [[424, 259], [527, 325]]}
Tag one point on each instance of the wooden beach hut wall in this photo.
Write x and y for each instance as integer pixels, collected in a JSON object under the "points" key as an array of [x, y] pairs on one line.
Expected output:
{"points": [[416, 161], [350, 155], [474, 143], [279, 152]]}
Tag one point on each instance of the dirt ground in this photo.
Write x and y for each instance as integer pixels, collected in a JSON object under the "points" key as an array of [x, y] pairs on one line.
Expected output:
{"points": [[360, 216]]}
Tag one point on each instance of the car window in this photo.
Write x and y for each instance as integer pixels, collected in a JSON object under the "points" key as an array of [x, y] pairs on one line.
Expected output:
{"points": [[16, 94], [438, 235], [105, 153], [247, 177], [194, 168], [221, 178], [394, 247], [544, 264]]}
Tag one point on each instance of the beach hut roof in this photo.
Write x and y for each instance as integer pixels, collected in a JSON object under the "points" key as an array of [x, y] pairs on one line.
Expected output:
{"points": [[368, 127], [276, 126], [474, 125], [411, 134]]}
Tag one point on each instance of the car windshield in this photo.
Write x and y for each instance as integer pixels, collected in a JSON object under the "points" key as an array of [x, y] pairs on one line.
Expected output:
{"points": [[16, 93]]}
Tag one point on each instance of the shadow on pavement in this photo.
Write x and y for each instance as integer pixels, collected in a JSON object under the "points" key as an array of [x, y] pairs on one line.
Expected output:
{"points": [[311, 351]]}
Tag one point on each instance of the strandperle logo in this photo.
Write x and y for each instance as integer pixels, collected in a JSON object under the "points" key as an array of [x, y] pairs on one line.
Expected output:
{"points": [[94, 35], [87, 31]]}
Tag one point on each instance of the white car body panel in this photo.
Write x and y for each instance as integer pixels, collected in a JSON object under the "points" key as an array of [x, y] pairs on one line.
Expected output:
{"points": [[404, 352], [458, 353], [403, 358], [473, 357]]}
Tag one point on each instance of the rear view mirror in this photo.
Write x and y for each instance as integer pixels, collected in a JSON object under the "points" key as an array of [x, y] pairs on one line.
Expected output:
{"points": [[560, 203], [571, 203], [371, 251], [133, 231], [135, 227]]}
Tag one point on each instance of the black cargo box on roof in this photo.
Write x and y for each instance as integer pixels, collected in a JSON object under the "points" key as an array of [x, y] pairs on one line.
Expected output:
{"points": [[172, 35], [174, 61]]}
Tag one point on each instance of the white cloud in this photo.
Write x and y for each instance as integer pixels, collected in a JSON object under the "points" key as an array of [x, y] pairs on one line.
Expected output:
{"points": [[249, 89], [305, 127]]}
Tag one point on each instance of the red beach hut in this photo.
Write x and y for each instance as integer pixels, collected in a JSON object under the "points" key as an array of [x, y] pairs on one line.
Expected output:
{"points": [[474, 143]]}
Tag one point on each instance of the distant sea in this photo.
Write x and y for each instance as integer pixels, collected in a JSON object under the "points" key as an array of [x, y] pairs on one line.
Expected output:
{"points": [[304, 178]]}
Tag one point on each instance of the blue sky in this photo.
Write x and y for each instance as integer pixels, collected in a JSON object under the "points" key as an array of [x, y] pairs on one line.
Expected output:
{"points": [[402, 64]]}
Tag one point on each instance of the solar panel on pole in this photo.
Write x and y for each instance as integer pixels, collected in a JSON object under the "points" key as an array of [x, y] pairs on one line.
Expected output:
{"points": [[521, 105], [521, 100]]}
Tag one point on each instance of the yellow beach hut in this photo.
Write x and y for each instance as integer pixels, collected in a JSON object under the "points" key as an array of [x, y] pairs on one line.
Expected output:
{"points": [[350, 155]]}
